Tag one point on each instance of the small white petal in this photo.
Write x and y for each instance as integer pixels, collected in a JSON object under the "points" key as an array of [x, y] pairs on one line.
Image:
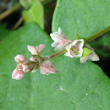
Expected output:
{"points": [[55, 36], [32, 50], [79, 43], [92, 56], [59, 30]]}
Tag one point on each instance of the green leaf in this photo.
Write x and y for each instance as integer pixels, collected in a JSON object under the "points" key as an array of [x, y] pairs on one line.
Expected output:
{"points": [[104, 44], [89, 87], [35, 14], [85, 17], [3, 33], [26, 3], [75, 87]]}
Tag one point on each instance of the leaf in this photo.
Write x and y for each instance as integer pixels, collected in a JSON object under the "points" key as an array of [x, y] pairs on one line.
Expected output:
{"points": [[85, 84], [26, 3], [3, 33], [104, 44], [35, 14], [85, 17], [75, 87]]}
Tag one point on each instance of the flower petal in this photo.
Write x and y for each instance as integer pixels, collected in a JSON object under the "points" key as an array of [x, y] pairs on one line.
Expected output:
{"points": [[32, 49], [48, 67], [17, 74], [20, 58], [92, 56], [55, 36], [74, 49], [40, 48]]}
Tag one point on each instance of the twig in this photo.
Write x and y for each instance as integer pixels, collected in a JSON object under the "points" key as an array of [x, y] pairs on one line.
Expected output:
{"points": [[18, 23], [8, 12]]}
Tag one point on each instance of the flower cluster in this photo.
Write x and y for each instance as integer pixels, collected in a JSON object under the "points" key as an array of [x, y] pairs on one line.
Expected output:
{"points": [[74, 48], [36, 60], [61, 43]]}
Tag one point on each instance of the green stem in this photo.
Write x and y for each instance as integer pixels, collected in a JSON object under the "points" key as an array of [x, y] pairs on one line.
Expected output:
{"points": [[8, 12], [56, 54], [107, 29]]}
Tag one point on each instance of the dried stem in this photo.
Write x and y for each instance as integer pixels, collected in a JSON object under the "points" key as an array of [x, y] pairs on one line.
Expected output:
{"points": [[8, 12], [18, 23]]}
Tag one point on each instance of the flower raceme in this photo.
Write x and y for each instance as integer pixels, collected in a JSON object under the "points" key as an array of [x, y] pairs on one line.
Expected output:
{"points": [[31, 65], [62, 44]]}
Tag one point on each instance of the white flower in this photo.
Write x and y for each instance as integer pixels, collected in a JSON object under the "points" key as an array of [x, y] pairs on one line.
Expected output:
{"points": [[59, 40], [36, 50], [92, 56], [75, 49]]}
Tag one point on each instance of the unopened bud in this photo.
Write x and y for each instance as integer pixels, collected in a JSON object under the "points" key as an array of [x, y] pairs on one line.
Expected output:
{"points": [[17, 74], [36, 66], [20, 58], [27, 67]]}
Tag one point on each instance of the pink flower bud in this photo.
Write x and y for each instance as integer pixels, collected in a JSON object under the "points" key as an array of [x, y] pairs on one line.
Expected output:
{"points": [[36, 50], [75, 49], [20, 58], [48, 67], [59, 40], [17, 74]]}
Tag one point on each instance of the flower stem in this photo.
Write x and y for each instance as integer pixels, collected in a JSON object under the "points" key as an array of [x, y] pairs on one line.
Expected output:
{"points": [[56, 54], [107, 29], [8, 12]]}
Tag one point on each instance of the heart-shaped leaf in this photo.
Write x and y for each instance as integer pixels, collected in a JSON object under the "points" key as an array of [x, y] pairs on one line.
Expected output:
{"points": [[75, 87]]}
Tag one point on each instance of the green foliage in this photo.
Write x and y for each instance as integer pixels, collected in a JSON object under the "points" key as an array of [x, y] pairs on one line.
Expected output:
{"points": [[3, 33], [102, 46], [35, 14], [76, 86], [26, 3], [85, 17]]}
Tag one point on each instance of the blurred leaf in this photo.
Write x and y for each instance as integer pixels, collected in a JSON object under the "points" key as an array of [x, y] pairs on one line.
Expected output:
{"points": [[35, 14], [102, 45], [76, 86], [3, 33], [26, 3]]}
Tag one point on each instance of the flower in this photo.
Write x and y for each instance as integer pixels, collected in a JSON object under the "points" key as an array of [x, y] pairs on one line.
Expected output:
{"points": [[48, 67], [20, 58], [59, 40], [17, 74], [75, 48], [36, 50], [27, 66], [23, 66], [92, 56]]}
